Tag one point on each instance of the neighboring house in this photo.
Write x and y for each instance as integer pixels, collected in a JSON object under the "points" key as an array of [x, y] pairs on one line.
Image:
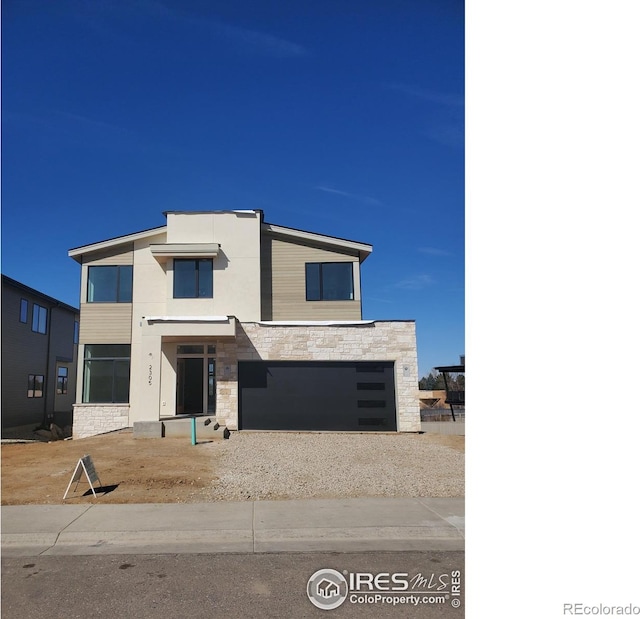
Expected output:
{"points": [[220, 313], [39, 357], [434, 398], [454, 386]]}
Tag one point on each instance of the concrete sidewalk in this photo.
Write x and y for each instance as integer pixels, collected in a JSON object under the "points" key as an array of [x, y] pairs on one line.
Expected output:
{"points": [[337, 525]]}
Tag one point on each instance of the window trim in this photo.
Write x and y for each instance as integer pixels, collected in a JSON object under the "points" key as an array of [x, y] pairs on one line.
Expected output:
{"points": [[118, 268], [24, 311], [36, 316], [197, 262], [85, 399], [321, 280], [65, 380], [31, 386]]}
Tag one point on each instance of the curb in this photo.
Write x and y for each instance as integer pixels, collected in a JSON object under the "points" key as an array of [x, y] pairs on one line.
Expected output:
{"points": [[356, 525]]}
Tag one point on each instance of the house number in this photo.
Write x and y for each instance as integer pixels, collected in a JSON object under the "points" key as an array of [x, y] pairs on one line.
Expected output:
{"points": [[150, 374]]}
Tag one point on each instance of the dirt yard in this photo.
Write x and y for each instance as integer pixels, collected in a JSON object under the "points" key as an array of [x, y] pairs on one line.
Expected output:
{"points": [[131, 470], [168, 470]]}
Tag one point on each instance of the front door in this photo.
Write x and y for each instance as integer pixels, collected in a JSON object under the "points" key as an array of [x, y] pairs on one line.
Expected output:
{"points": [[196, 380], [190, 386]]}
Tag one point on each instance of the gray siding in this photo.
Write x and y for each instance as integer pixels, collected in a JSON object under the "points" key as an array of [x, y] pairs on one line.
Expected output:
{"points": [[25, 352], [266, 277], [285, 297], [64, 353]]}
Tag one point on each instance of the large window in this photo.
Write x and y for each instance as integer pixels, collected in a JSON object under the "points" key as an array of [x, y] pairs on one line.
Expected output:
{"points": [[193, 279], [106, 373], [35, 387], [39, 319], [110, 284], [329, 281]]}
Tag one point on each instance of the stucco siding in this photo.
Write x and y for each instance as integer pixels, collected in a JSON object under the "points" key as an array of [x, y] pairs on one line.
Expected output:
{"points": [[236, 268]]}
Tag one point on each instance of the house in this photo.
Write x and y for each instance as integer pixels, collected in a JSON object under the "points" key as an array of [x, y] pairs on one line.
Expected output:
{"points": [[39, 357], [432, 398], [220, 313], [328, 589]]}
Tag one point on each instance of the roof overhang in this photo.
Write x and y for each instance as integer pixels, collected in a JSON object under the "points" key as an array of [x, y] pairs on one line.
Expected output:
{"points": [[362, 249], [190, 326], [54, 302], [162, 252], [77, 252], [450, 368], [315, 323]]}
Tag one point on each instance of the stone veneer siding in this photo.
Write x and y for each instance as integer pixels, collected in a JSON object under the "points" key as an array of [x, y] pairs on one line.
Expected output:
{"points": [[92, 419], [377, 341]]}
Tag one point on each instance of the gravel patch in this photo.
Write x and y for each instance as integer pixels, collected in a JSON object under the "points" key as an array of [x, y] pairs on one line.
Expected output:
{"points": [[273, 465]]}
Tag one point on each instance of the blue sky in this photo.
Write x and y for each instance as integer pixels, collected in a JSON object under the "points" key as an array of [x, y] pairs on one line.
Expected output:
{"points": [[343, 118]]}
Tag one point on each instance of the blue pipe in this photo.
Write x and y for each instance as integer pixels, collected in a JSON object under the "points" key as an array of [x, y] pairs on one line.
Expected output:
{"points": [[193, 430]]}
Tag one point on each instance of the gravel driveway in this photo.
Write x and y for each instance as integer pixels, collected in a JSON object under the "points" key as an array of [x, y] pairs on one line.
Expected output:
{"points": [[273, 465]]}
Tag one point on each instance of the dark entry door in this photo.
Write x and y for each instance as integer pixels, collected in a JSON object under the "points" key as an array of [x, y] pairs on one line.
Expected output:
{"points": [[317, 395], [190, 386]]}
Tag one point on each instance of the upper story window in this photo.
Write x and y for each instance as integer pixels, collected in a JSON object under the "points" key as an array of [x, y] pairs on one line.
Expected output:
{"points": [[24, 310], [39, 319], [329, 281], [76, 331], [193, 278], [110, 284]]}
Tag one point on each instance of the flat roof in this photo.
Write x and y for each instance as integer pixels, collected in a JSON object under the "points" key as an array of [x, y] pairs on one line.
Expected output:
{"points": [[450, 368], [236, 211]]}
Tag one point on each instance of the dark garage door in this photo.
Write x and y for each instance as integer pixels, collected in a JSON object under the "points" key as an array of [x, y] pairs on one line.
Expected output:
{"points": [[317, 395]]}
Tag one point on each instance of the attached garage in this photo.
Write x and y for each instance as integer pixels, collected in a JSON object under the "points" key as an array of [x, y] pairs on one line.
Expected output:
{"points": [[357, 396]]}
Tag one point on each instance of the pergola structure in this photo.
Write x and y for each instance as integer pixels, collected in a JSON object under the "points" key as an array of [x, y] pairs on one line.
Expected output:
{"points": [[453, 397]]}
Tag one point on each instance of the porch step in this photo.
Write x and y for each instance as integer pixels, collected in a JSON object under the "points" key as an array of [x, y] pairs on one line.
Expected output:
{"points": [[207, 428]]}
